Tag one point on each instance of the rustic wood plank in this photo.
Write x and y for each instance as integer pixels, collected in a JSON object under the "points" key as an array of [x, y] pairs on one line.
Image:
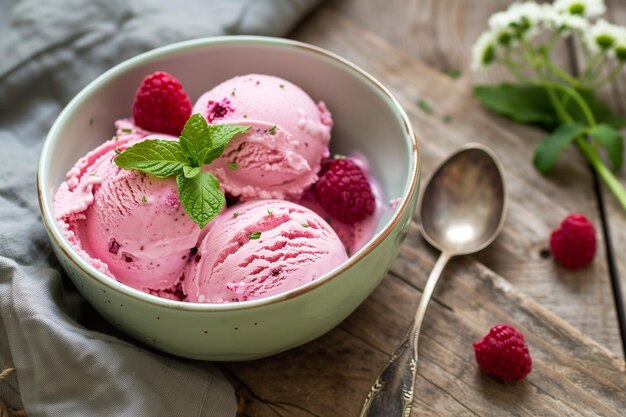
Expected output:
{"points": [[572, 375], [439, 33], [615, 216], [537, 203]]}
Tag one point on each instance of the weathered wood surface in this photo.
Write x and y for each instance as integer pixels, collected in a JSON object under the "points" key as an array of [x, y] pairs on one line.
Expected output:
{"points": [[615, 214], [573, 375], [538, 204]]}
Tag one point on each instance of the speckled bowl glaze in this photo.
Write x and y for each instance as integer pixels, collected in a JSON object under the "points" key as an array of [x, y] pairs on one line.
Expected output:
{"points": [[367, 118]]}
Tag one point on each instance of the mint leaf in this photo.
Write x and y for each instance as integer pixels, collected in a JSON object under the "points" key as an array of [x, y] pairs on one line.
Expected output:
{"points": [[612, 141], [221, 135], [254, 235], [195, 138], [161, 158], [522, 103], [190, 172], [200, 196], [548, 150]]}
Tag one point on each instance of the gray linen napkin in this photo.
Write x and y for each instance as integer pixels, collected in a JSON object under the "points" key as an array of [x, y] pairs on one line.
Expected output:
{"points": [[69, 362]]}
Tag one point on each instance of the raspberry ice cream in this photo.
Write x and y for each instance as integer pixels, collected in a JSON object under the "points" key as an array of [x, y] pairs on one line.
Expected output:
{"points": [[261, 248], [133, 225], [128, 224], [281, 154]]}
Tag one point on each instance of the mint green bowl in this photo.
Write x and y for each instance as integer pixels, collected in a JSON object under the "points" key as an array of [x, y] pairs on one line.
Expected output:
{"points": [[367, 118]]}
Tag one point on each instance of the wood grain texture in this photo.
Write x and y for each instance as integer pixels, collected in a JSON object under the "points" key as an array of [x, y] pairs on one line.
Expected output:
{"points": [[537, 203], [572, 374], [615, 214]]}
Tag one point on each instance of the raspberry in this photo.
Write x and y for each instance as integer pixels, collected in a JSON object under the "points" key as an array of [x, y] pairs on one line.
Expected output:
{"points": [[161, 104], [503, 353], [574, 242], [344, 192]]}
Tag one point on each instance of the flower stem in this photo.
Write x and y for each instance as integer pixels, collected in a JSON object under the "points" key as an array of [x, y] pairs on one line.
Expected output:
{"points": [[575, 95], [587, 150], [559, 72], [594, 69], [610, 77], [513, 68], [607, 176]]}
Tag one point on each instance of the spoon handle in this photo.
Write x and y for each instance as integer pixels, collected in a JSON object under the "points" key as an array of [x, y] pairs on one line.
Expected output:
{"points": [[392, 392]]}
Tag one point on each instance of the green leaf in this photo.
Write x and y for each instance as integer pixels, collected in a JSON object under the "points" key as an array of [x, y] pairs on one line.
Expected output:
{"points": [[601, 111], [221, 135], [612, 141], [548, 150], [522, 103], [196, 137], [190, 172], [161, 158], [254, 235], [530, 104], [200, 196]]}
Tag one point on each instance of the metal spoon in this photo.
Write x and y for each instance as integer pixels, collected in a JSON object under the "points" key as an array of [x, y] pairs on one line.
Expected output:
{"points": [[462, 211]]}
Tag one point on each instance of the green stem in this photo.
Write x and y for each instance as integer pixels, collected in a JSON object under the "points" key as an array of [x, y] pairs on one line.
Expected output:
{"points": [[559, 72], [552, 43], [587, 150], [555, 69], [513, 68], [595, 72], [609, 78], [575, 95], [560, 110], [590, 65], [607, 176], [529, 54]]}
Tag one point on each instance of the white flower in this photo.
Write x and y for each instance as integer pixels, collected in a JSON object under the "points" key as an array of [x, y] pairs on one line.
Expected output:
{"points": [[585, 8], [603, 36], [484, 50], [522, 18], [618, 49], [563, 21]]}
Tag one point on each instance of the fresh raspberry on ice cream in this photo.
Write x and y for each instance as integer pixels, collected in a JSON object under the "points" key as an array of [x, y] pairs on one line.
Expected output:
{"points": [[344, 192], [503, 353], [161, 104], [573, 243]]}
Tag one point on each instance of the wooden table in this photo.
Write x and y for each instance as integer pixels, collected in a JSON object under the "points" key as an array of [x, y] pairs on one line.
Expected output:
{"points": [[569, 318]]}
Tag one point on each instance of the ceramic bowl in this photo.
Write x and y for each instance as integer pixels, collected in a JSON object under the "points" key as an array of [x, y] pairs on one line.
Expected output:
{"points": [[367, 118]]}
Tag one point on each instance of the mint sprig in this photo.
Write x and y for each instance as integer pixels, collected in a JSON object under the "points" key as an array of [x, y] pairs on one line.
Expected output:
{"points": [[200, 143]]}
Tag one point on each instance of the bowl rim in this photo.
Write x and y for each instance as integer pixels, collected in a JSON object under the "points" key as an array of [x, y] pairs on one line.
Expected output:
{"points": [[62, 244]]}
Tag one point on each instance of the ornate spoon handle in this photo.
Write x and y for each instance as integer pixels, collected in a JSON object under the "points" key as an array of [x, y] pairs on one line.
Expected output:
{"points": [[392, 393]]}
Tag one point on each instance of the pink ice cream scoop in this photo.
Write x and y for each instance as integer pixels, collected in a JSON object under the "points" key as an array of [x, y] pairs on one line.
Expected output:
{"points": [[280, 155], [128, 224], [261, 248]]}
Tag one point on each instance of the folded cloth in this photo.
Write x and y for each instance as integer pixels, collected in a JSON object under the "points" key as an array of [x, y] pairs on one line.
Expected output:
{"points": [[68, 361]]}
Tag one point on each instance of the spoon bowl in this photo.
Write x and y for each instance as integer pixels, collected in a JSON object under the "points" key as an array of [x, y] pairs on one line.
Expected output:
{"points": [[462, 208]]}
